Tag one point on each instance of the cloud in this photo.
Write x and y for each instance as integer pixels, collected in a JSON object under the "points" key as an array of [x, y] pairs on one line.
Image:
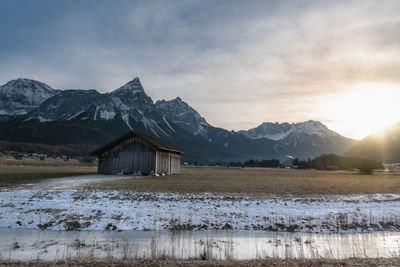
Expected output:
{"points": [[237, 64]]}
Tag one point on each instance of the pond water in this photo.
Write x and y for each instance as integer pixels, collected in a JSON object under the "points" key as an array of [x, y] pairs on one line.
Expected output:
{"points": [[27, 244]]}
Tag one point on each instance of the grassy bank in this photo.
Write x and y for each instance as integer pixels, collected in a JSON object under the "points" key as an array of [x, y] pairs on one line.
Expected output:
{"points": [[11, 175], [192, 263], [261, 182]]}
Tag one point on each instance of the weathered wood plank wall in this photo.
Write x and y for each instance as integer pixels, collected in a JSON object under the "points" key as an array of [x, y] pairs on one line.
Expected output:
{"points": [[136, 156], [175, 163], [162, 162], [133, 156]]}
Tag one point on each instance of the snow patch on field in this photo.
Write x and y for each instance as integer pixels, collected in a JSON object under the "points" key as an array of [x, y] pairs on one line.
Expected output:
{"points": [[86, 210]]}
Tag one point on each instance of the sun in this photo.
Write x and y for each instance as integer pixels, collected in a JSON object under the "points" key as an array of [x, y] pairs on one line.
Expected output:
{"points": [[363, 109]]}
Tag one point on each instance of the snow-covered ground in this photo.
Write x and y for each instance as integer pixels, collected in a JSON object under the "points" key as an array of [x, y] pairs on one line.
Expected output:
{"points": [[65, 207]]}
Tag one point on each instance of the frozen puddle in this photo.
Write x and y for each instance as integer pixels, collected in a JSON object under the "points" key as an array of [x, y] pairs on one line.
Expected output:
{"points": [[91, 210], [24, 244]]}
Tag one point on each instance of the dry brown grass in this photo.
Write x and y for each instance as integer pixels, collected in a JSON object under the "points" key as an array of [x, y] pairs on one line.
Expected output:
{"points": [[192, 263], [49, 162], [261, 182], [11, 174]]}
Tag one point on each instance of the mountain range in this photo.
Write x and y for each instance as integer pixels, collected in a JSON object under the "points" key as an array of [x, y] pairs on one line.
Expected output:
{"points": [[33, 112]]}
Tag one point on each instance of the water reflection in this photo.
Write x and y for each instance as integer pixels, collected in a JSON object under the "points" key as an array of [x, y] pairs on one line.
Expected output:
{"points": [[24, 244]]}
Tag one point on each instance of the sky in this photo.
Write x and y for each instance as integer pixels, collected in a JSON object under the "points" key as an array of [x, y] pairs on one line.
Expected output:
{"points": [[238, 63]]}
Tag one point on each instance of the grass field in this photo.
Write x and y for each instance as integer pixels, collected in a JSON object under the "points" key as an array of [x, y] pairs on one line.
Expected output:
{"points": [[49, 162], [241, 181], [261, 182], [14, 175], [14, 172]]}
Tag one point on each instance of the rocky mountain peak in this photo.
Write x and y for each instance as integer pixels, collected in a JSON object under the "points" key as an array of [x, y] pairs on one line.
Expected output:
{"points": [[23, 83], [273, 131], [176, 103], [20, 96], [311, 127], [134, 86], [180, 113], [279, 131], [132, 96]]}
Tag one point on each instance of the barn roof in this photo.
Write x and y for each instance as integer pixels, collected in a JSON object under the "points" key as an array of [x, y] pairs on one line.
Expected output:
{"points": [[158, 143]]}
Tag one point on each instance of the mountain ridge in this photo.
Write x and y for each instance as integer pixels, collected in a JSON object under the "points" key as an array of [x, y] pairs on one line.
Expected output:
{"points": [[383, 146]]}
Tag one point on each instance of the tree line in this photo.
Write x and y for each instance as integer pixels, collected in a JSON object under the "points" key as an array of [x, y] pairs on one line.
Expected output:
{"points": [[265, 163], [335, 162], [322, 162]]}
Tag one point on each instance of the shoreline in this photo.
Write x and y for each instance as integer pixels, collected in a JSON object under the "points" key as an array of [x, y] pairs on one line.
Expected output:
{"points": [[30, 245], [199, 262]]}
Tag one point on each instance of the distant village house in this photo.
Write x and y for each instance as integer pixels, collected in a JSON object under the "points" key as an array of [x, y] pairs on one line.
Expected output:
{"points": [[139, 154]]}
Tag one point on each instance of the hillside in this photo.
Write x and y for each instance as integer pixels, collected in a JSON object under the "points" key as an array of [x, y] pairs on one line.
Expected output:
{"points": [[383, 146]]}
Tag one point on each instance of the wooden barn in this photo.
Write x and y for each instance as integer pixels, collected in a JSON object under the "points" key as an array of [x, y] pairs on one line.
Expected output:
{"points": [[139, 154]]}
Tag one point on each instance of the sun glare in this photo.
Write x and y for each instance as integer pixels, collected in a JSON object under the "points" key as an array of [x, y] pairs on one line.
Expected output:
{"points": [[363, 109]]}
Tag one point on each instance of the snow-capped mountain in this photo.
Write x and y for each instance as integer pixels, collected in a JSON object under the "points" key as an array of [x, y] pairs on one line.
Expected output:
{"points": [[281, 131], [183, 115], [134, 105], [274, 131], [66, 105], [128, 104], [41, 114], [303, 139], [20, 96], [131, 96]]}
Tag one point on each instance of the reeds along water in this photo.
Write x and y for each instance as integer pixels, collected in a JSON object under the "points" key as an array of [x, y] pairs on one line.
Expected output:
{"points": [[22, 244]]}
